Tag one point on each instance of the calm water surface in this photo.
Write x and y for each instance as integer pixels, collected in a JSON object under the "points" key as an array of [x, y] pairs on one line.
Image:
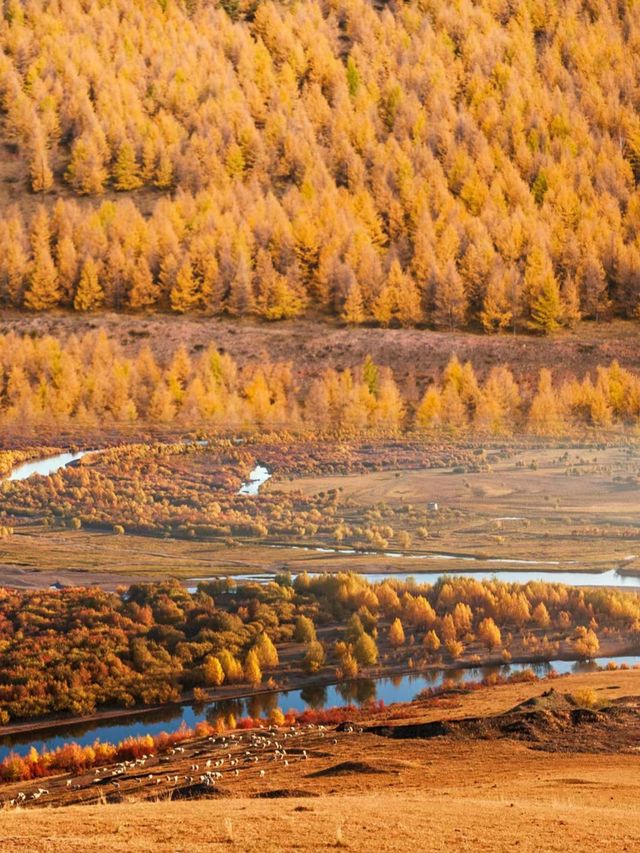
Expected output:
{"points": [[402, 688]]}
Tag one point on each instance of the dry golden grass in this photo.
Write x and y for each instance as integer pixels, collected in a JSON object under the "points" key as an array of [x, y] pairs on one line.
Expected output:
{"points": [[381, 822], [442, 794]]}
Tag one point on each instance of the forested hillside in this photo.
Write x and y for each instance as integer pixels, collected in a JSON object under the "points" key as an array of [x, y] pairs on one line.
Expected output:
{"points": [[412, 163]]}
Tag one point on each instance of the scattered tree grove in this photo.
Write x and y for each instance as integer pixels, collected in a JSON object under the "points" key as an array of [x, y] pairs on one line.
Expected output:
{"points": [[73, 651], [88, 381]]}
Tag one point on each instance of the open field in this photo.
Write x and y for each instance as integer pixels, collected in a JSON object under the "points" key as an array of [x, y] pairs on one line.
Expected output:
{"points": [[353, 790], [564, 509]]}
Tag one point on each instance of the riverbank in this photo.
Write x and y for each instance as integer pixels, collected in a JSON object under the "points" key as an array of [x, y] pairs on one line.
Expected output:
{"points": [[453, 671]]}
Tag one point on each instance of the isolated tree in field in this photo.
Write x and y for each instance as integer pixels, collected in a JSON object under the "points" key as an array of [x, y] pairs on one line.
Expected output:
{"points": [[213, 672], [365, 650], [89, 294], [305, 631], [314, 657], [489, 633], [396, 633]]}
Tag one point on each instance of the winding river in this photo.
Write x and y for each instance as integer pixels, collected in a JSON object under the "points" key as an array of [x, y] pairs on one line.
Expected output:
{"points": [[610, 578], [402, 688], [534, 570], [45, 467], [257, 478]]}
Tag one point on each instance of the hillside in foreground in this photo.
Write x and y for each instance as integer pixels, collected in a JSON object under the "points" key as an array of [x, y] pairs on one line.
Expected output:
{"points": [[391, 163], [464, 786]]}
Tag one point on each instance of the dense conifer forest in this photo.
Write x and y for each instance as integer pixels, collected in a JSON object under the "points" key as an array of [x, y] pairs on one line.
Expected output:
{"points": [[442, 165]]}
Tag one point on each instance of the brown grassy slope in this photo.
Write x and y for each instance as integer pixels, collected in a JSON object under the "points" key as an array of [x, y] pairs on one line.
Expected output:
{"points": [[421, 821], [427, 795], [312, 345]]}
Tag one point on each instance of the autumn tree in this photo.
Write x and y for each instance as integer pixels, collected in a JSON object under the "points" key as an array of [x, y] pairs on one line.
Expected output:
{"points": [[305, 631], [126, 170], [489, 633], [353, 313], [365, 650], [43, 291], [213, 672], [184, 294], [585, 643], [252, 670], [267, 652], [143, 291], [450, 300], [544, 293], [89, 294], [314, 657], [431, 641], [396, 633]]}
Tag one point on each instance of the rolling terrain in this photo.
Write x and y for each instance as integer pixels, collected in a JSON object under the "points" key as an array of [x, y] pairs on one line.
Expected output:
{"points": [[509, 766]]}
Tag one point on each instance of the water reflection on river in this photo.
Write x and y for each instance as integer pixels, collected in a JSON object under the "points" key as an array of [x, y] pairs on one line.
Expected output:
{"points": [[45, 467], [402, 688], [609, 578]]}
